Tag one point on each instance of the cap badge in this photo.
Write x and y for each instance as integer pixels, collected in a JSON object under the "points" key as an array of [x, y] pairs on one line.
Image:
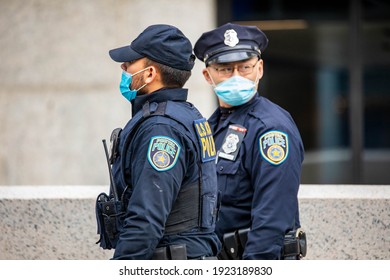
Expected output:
{"points": [[231, 38]]}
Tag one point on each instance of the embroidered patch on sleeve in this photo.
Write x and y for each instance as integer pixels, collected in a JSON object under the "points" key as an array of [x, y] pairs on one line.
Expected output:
{"points": [[274, 147], [163, 153], [206, 139]]}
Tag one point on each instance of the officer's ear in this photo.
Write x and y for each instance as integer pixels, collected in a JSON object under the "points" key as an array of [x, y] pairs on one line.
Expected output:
{"points": [[150, 74], [261, 68], [206, 75]]}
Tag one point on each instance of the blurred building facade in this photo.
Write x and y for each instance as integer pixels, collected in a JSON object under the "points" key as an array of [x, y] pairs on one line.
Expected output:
{"points": [[59, 89], [327, 63]]}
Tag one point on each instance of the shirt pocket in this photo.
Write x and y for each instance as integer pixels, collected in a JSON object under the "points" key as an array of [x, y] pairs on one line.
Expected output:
{"points": [[229, 179]]}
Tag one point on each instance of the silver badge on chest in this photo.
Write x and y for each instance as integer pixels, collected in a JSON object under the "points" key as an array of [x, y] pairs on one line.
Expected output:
{"points": [[230, 144]]}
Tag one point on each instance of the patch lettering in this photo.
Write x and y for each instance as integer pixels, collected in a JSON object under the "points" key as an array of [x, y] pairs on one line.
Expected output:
{"points": [[206, 140], [163, 153], [274, 147]]}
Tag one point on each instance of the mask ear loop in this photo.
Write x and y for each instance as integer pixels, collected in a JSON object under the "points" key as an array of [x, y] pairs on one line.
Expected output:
{"points": [[139, 71], [257, 80], [211, 78], [141, 87]]}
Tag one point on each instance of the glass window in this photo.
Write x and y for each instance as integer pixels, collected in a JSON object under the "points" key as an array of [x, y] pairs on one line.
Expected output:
{"points": [[309, 51]]}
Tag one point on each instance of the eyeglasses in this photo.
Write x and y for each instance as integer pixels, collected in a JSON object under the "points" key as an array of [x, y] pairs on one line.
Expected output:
{"points": [[228, 70]]}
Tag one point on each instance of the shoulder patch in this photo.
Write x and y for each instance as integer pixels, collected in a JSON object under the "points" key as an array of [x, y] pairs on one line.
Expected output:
{"points": [[274, 146], [206, 140], [163, 153]]}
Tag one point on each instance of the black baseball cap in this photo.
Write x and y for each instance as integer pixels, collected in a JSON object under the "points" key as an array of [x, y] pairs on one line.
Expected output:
{"points": [[162, 43], [230, 42]]}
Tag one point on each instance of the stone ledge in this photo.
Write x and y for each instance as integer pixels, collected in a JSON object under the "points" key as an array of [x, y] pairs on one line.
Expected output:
{"points": [[51, 192], [87, 192], [58, 222], [344, 191]]}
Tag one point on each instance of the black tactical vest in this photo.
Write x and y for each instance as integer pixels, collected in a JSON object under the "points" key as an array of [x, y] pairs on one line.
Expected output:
{"points": [[200, 212]]}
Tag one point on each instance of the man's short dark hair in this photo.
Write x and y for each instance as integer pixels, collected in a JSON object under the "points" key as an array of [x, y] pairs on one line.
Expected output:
{"points": [[170, 77]]}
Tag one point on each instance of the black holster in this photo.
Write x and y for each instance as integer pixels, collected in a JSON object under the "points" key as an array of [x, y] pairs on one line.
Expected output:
{"points": [[109, 217], [171, 252], [109, 209], [294, 248]]}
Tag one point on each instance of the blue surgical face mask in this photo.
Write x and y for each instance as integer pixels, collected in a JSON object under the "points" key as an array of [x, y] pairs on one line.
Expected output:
{"points": [[236, 90], [125, 84]]}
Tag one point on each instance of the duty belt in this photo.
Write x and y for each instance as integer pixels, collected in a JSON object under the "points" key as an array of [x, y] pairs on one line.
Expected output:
{"points": [[175, 252], [295, 245]]}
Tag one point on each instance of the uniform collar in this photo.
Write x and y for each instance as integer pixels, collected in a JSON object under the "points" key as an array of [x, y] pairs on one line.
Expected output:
{"points": [[164, 94]]}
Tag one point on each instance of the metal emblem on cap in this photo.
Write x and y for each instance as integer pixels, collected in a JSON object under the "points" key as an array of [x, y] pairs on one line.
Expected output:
{"points": [[231, 38]]}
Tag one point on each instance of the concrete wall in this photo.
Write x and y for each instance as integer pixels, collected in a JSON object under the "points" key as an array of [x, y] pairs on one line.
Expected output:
{"points": [[59, 91], [58, 222]]}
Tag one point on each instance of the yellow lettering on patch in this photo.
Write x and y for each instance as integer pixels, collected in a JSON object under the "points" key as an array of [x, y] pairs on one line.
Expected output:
{"points": [[208, 146], [206, 140]]}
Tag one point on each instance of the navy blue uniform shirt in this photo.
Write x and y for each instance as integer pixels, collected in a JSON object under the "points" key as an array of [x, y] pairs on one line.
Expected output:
{"points": [[156, 183], [259, 168]]}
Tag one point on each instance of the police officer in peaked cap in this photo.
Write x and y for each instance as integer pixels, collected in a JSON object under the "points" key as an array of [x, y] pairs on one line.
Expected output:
{"points": [[259, 148], [161, 169]]}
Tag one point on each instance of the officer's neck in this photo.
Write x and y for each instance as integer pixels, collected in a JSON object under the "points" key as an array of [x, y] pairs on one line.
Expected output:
{"points": [[224, 105], [225, 112]]}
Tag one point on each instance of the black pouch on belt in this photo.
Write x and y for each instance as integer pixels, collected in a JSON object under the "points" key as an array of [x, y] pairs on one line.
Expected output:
{"points": [[171, 252]]}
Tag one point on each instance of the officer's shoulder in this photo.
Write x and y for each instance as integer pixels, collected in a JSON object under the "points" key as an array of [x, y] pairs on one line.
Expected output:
{"points": [[269, 113], [159, 120], [270, 117], [182, 109], [170, 120]]}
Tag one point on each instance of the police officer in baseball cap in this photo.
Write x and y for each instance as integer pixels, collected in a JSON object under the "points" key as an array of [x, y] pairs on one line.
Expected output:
{"points": [[162, 43], [158, 159], [259, 148]]}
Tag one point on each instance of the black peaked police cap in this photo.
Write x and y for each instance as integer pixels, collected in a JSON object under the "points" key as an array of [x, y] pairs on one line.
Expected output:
{"points": [[230, 42]]}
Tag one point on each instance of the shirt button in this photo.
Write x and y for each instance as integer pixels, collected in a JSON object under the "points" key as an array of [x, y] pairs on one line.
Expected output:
{"points": [[221, 168]]}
